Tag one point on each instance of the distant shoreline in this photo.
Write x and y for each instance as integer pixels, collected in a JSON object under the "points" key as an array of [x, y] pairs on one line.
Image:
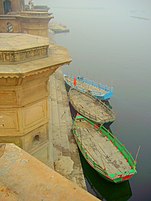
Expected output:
{"points": [[141, 18]]}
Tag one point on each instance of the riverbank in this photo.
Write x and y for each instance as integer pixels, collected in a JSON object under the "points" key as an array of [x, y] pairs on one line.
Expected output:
{"points": [[64, 155]]}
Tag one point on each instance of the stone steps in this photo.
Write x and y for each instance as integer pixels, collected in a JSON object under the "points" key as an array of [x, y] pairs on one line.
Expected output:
{"points": [[64, 156]]}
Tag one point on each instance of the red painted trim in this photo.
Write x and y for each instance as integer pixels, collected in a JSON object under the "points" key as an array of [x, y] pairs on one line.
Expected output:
{"points": [[127, 177]]}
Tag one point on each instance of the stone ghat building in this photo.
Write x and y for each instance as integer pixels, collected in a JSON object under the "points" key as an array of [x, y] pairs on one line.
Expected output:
{"points": [[26, 62], [15, 17]]}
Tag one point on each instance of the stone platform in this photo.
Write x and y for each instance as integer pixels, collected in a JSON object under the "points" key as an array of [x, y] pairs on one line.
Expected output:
{"points": [[64, 156], [24, 178]]}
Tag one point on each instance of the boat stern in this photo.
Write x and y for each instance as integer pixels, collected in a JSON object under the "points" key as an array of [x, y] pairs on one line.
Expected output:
{"points": [[118, 178], [107, 96]]}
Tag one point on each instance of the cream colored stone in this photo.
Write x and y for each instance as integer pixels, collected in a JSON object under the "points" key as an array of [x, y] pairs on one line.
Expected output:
{"points": [[18, 48], [24, 92], [6, 194], [64, 165], [32, 22], [26, 179]]}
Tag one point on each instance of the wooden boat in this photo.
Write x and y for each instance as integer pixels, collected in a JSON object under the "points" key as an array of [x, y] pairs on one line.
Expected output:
{"points": [[103, 151], [90, 107], [101, 187], [99, 91]]}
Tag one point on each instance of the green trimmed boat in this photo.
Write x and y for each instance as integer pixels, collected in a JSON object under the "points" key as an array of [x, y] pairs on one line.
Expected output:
{"points": [[103, 189], [103, 151], [90, 107]]}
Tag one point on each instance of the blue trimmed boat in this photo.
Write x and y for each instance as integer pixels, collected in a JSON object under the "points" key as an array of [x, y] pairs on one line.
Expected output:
{"points": [[99, 91], [103, 151]]}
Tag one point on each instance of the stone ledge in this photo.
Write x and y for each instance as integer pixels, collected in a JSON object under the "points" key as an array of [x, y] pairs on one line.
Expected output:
{"points": [[25, 178]]}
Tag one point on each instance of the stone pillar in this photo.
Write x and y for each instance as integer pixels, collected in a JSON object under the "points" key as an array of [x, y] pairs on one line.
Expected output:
{"points": [[1, 7], [26, 62], [35, 22], [24, 112], [17, 5]]}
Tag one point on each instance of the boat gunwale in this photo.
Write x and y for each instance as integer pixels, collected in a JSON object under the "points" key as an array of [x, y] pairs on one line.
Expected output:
{"points": [[108, 110], [99, 95], [112, 177]]}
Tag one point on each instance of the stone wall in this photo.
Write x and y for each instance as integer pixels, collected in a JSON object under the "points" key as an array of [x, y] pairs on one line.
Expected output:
{"points": [[1, 7], [20, 24], [24, 91], [24, 112], [16, 5], [9, 24], [35, 26]]}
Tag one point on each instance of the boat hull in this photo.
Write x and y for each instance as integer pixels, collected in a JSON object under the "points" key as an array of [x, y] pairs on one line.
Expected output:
{"points": [[90, 107], [103, 188], [108, 91], [116, 177], [101, 173], [74, 113]]}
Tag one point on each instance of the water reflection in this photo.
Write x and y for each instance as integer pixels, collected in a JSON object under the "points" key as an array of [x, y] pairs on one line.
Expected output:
{"points": [[103, 189]]}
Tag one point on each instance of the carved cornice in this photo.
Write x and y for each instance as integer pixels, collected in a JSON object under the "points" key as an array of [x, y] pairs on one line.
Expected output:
{"points": [[8, 57], [57, 56], [23, 75], [35, 14], [20, 75], [19, 48]]}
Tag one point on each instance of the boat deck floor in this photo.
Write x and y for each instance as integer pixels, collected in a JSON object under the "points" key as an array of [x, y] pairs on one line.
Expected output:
{"points": [[102, 150], [86, 86], [91, 106]]}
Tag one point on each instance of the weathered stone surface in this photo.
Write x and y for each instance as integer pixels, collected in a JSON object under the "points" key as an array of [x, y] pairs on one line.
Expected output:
{"points": [[6, 194], [62, 143], [64, 165], [24, 178], [17, 20], [24, 91], [18, 48], [19, 41]]}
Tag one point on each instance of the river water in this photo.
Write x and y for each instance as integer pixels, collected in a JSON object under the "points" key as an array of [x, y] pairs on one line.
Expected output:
{"points": [[109, 42]]}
